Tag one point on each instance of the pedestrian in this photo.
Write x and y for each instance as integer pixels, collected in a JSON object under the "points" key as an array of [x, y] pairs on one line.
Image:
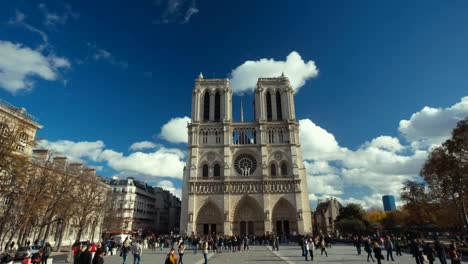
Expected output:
{"points": [[277, 243], [378, 253], [305, 248], [302, 245], [181, 252], [311, 249], [323, 247], [171, 257], [195, 245], [429, 252], [397, 245], [246, 243], [357, 243], [454, 254], [441, 252], [389, 248], [205, 250], [368, 249], [416, 252], [136, 251], [85, 256], [46, 253], [98, 257], [124, 250]]}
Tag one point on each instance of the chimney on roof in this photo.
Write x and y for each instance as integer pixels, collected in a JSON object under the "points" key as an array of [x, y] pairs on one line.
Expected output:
{"points": [[40, 154], [75, 167], [60, 162], [89, 172]]}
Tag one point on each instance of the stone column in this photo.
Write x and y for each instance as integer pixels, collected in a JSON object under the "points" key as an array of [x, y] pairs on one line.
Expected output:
{"points": [[273, 106], [212, 106]]}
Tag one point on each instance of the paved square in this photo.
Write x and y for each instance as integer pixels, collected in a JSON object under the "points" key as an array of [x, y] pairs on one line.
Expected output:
{"points": [[259, 254]]}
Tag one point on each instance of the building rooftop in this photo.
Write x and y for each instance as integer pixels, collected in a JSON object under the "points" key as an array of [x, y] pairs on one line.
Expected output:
{"points": [[21, 111]]}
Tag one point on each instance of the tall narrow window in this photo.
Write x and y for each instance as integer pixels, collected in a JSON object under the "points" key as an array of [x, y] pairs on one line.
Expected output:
{"points": [[205, 171], [284, 169], [268, 106], [217, 107], [216, 170], [273, 170], [279, 112], [206, 106]]}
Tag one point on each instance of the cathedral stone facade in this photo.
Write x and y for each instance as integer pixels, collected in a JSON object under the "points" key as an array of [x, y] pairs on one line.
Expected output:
{"points": [[244, 177]]}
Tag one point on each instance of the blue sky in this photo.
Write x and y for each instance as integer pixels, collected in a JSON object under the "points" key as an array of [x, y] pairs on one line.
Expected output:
{"points": [[103, 75]]}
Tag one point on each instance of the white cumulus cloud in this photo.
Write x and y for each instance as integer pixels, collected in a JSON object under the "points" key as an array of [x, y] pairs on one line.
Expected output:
{"points": [[431, 126], [143, 145], [175, 130], [244, 77], [20, 65], [169, 186]]}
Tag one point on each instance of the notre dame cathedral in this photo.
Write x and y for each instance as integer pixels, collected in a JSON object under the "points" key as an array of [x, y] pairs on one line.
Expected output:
{"points": [[244, 177]]}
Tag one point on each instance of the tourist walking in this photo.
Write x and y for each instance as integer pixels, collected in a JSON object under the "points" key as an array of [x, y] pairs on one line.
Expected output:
{"points": [[124, 250], [46, 253], [136, 251], [428, 251], [357, 243], [389, 248], [416, 252], [368, 249], [323, 247], [205, 250], [378, 253], [181, 252], [441, 252], [305, 248], [277, 243], [171, 258]]}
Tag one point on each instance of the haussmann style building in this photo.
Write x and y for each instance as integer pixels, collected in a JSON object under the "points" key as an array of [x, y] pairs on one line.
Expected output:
{"points": [[244, 177]]}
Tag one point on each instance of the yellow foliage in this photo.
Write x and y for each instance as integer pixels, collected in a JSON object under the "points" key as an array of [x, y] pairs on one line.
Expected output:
{"points": [[376, 216]]}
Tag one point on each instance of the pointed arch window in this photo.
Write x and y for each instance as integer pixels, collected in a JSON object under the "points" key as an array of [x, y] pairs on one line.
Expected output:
{"points": [[268, 106], [217, 170], [273, 170], [205, 171], [279, 112], [284, 169], [217, 107], [206, 106]]}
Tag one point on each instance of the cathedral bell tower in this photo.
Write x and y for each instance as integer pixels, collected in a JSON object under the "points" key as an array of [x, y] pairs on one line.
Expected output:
{"points": [[244, 177]]}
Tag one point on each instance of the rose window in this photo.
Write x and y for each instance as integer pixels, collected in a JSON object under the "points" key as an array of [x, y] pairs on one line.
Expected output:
{"points": [[245, 164]]}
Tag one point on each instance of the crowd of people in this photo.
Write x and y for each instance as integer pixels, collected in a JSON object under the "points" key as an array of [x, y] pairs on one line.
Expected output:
{"points": [[422, 251]]}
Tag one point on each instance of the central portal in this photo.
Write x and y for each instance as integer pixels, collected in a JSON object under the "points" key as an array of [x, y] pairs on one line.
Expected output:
{"points": [[248, 218]]}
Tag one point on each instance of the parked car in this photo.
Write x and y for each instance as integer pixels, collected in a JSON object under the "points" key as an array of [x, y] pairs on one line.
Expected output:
{"points": [[26, 252]]}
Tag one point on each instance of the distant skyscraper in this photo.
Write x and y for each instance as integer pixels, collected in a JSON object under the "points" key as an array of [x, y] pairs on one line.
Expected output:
{"points": [[389, 203]]}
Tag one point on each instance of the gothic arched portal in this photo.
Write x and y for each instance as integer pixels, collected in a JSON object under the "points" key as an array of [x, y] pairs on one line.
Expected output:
{"points": [[209, 219], [248, 218], [284, 218]]}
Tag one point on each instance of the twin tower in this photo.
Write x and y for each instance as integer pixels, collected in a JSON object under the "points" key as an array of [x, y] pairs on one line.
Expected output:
{"points": [[245, 178]]}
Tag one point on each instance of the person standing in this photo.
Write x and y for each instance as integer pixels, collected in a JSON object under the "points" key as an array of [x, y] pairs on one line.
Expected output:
{"points": [[181, 252], [124, 250], [368, 249], [85, 256], [136, 251], [441, 252], [389, 248], [277, 243], [305, 248], [417, 253], [311, 249], [205, 250], [46, 253], [98, 257], [454, 254], [397, 245]]}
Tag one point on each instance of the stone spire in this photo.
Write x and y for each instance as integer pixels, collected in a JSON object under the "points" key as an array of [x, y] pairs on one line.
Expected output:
{"points": [[242, 112], [200, 76]]}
